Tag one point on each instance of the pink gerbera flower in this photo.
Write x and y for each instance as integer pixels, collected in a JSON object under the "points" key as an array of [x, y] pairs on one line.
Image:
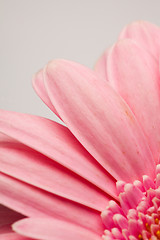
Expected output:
{"points": [[99, 177]]}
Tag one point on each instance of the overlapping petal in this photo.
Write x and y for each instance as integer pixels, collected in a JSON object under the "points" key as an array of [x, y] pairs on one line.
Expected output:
{"points": [[34, 202], [57, 143], [13, 236], [100, 66], [49, 229], [60, 177], [133, 72], [97, 116], [22, 162], [38, 85], [146, 34]]}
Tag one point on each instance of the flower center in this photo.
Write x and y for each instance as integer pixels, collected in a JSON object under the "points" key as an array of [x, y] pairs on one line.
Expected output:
{"points": [[138, 215]]}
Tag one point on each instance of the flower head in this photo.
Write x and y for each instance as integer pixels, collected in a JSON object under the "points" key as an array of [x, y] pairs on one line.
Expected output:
{"points": [[106, 157]]}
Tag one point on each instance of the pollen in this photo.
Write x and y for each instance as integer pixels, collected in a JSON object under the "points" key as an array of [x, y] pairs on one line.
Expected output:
{"points": [[158, 234], [156, 220], [147, 227], [140, 237]]}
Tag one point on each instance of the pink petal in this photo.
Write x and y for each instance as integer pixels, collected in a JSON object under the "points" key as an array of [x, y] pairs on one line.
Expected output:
{"points": [[33, 202], [133, 72], [57, 143], [99, 119], [100, 66], [13, 236], [56, 229], [27, 165], [145, 34], [38, 85]]}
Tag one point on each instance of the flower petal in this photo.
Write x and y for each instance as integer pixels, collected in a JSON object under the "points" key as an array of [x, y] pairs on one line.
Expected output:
{"points": [[145, 34], [133, 72], [33, 202], [100, 66], [13, 236], [24, 163], [49, 229], [38, 85], [99, 119], [57, 143]]}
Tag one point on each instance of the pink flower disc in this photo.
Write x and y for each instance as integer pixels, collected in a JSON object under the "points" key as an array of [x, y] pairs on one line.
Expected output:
{"points": [[138, 216]]}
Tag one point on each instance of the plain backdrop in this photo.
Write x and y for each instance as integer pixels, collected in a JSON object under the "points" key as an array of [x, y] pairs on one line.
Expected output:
{"points": [[32, 32]]}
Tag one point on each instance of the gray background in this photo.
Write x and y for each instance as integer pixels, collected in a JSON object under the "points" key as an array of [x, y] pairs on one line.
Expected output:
{"points": [[32, 32]]}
